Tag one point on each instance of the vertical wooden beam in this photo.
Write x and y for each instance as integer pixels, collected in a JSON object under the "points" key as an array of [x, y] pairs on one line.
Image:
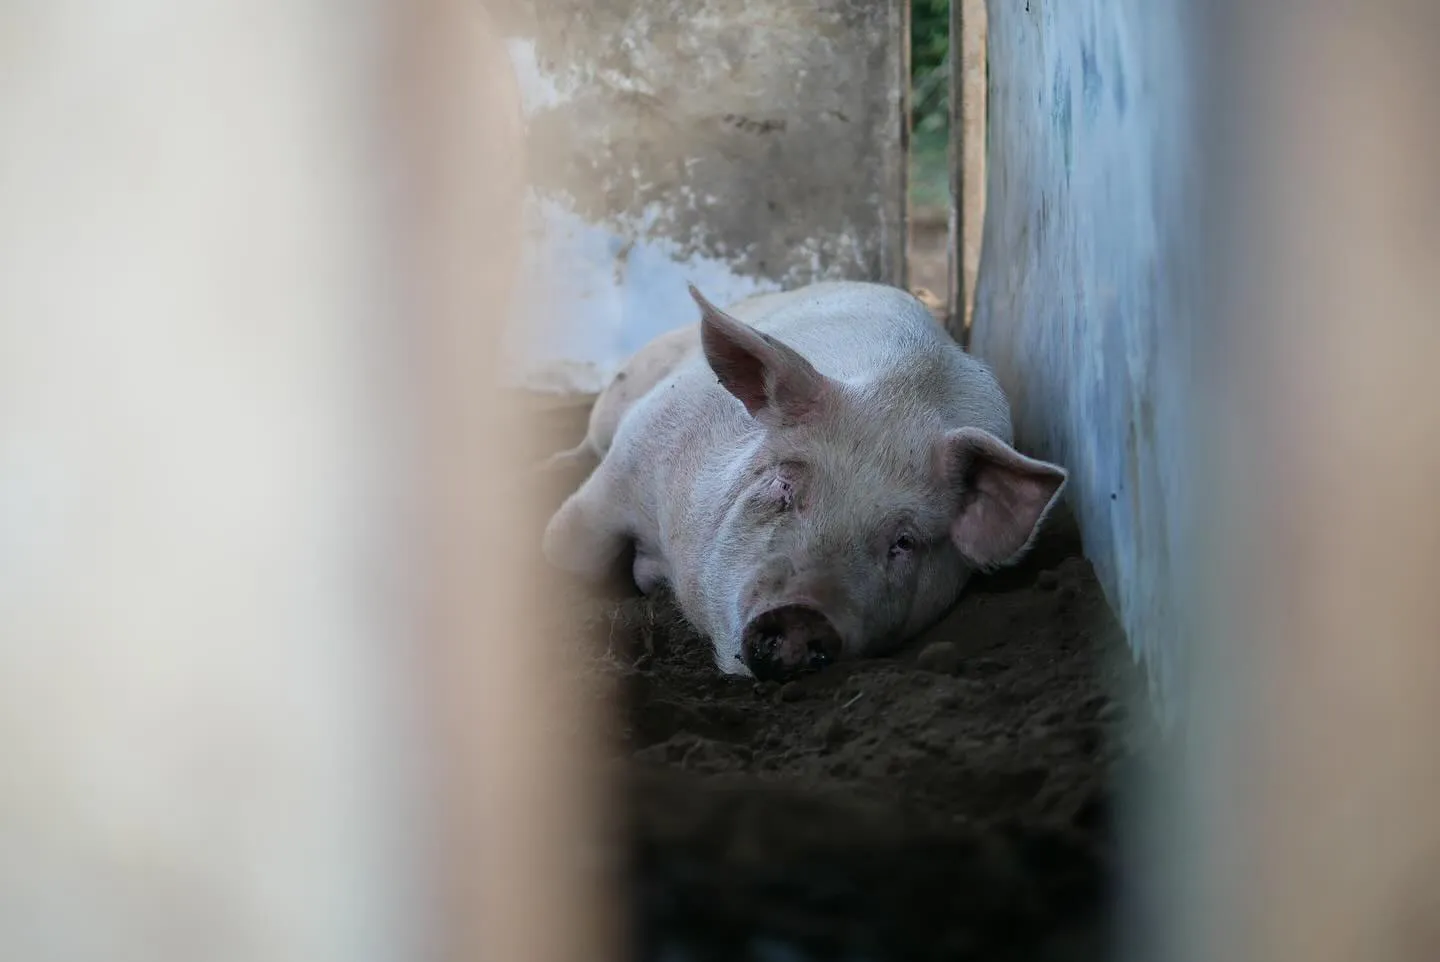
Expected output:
{"points": [[1315, 792], [251, 286], [968, 95], [202, 702], [516, 746]]}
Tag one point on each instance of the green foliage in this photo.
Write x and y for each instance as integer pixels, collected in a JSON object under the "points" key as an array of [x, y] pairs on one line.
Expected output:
{"points": [[929, 64], [929, 102], [929, 34]]}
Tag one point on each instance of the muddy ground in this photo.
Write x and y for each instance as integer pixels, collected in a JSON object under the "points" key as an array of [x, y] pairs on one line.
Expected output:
{"points": [[955, 801]]}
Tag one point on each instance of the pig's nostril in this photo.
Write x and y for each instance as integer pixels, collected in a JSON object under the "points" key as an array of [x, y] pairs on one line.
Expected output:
{"points": [[789, 639], [820, 655]]}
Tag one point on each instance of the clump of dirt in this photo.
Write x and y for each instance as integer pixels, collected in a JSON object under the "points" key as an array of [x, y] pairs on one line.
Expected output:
{"points": [[954, 801]]}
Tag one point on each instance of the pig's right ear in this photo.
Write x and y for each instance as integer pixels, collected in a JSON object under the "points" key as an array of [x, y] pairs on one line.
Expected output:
{"points": [[1003, 496], [772, 380]]}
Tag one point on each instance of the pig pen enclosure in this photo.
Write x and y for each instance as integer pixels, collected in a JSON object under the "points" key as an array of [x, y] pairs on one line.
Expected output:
{"points": [[957, 800], [282, 675]]}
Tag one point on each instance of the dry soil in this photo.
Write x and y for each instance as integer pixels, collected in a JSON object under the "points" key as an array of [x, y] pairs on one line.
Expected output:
{"points": [[955, 801]]}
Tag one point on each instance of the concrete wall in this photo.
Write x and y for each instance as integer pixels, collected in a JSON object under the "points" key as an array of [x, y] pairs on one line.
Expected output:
{"points": [[1086, 277], [741, 144]]}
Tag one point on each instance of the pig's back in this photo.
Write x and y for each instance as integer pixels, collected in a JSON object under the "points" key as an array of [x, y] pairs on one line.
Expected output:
{"points": [[871, 336], [849, 330], [885, 341]]}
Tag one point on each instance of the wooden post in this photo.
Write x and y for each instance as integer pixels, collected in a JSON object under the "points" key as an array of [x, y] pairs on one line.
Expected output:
{"points": [[204, 702], [968, 80], [267, 688], [1314, 799], [517, 751]]}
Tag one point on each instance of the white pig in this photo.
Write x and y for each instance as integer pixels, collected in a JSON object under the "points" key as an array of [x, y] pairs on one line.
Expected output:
{"points": [[814, 475]]}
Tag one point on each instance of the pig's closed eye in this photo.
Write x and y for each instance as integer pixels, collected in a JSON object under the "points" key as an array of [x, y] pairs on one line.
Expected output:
{"points": [[780, 492], [902, 546]]}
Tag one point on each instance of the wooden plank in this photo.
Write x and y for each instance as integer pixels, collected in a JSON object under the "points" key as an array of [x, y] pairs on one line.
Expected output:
{"points": [[1313, 804], [202, 686], [513, 738], [969, 91]]}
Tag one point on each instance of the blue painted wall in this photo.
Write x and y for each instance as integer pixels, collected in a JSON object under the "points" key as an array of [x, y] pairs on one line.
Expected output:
{"points": [[1088, 281]]}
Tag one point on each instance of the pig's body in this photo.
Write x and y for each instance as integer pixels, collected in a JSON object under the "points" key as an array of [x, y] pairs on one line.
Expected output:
{"points": [[768, 514]]}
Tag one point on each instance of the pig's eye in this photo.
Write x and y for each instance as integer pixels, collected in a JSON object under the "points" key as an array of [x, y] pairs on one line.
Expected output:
{"points": [[780, 491], [902, 546]]}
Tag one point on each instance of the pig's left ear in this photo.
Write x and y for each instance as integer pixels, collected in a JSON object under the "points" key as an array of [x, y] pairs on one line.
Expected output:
{"points": [[1003, 496], [773, 380]]}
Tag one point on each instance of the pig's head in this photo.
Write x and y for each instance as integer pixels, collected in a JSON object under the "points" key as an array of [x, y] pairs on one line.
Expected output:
{"points": [[856, 516]]}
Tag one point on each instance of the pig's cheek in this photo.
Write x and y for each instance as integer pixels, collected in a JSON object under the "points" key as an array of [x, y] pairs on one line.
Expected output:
{"points": [[903, 592], [936, 588]]}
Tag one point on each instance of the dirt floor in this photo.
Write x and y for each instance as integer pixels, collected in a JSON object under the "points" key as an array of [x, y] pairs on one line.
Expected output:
{"points": [[955, 801], [929, 261]]}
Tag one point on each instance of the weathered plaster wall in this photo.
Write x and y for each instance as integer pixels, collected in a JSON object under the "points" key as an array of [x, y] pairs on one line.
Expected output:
{"points": [[742, 144], [1087, 278]]}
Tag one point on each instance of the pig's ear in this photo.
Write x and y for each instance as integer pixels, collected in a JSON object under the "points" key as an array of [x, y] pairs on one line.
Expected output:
{"points": [[770, 378], [1003, 496]]}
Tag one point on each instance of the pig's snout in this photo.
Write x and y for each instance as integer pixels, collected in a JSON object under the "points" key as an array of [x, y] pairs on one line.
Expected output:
{"points": [[789, 640]]}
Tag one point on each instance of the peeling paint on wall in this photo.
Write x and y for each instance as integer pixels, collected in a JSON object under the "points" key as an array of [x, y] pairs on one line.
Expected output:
{"points": [[744, 147], [597, 295]]}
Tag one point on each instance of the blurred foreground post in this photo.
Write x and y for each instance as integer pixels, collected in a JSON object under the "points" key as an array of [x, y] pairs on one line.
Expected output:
{"points": [[1316, 782], [203, 697], [517, 750], [234, 375]]}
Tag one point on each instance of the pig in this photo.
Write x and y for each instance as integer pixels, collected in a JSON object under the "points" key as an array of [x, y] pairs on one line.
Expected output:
{"points": [[813, 474]]}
